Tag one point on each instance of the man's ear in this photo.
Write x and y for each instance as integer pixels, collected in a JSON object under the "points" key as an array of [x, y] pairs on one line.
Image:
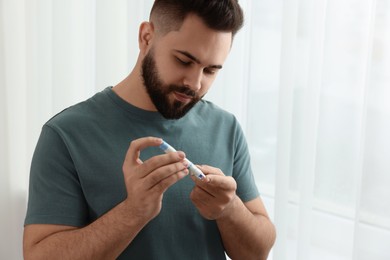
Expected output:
{"points": [[145, 36]]}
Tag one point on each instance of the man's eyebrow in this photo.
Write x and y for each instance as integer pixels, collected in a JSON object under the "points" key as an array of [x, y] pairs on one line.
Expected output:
{"points": [[192, 57]]}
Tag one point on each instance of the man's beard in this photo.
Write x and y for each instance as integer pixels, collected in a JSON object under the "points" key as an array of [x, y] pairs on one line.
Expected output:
{"points": [[159, 92]]}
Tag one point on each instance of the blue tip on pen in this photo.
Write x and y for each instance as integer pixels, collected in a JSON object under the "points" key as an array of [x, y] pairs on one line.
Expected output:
{"points": [[164, 146]]}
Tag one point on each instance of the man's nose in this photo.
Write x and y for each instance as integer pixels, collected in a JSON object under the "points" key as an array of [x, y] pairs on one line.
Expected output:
{"points": [[193, 79]]}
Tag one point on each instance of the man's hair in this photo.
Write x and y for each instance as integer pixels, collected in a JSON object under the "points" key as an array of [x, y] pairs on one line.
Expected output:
{"points": [[219, 15]]}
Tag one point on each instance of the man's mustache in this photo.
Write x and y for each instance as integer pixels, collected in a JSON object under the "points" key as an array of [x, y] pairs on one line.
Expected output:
{"points": [[182, 89]]}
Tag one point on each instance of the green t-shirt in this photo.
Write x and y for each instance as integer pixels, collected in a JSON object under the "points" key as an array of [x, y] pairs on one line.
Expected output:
{"points": [[76, 172]]}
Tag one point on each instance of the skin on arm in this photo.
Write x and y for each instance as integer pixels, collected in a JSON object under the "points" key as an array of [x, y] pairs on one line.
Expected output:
{"points": [[110, 234], [246, 230]]}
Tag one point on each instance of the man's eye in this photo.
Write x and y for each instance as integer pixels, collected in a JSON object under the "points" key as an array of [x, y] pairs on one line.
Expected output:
{"points": [[185, 63], [209, 71]]}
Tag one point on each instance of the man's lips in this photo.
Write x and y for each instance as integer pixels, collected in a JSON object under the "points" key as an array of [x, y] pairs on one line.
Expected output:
{"points": [[182, 97]]}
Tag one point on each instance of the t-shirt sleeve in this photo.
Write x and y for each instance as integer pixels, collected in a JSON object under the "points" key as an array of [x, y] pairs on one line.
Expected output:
{"points": [[55, 193], [242, 170]]}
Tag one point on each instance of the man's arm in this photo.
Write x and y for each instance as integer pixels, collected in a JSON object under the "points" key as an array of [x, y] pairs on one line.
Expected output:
{"points": [[246, 230], [110, 234], [105, 238]]}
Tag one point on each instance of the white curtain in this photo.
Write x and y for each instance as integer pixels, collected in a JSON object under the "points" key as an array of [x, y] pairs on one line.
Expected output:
{"points": [[308, 80]]}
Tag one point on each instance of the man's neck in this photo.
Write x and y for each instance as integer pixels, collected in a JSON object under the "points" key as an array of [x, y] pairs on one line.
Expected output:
{"points": [[132, 90]]}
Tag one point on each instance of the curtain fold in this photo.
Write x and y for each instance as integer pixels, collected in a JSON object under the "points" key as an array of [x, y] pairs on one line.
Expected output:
{"points": [[285, 119], [308, 80], [365, 81], [310, 124]]}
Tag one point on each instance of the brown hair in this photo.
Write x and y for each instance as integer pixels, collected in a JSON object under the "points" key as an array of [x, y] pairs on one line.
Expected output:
{"points": [[220, 15]]}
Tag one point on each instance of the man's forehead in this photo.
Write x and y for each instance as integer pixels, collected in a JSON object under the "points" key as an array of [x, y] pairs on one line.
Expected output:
{"points": [[196, 39]]}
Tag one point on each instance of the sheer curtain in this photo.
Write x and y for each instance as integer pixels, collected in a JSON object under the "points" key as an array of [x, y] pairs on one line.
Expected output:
{"points": [[308, 81], [318, 124]]}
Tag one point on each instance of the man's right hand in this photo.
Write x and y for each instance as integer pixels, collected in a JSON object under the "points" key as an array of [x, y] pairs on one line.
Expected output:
{"points": [[110, 234], [147, 181]]}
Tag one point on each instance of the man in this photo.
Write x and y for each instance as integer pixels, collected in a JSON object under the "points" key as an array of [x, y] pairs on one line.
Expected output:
{"points": [[92, 196]]}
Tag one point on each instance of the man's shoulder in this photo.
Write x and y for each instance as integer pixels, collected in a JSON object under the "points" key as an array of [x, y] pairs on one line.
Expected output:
{"points": [[210, 110], [206, 106], [83, 112], [68, 115]]}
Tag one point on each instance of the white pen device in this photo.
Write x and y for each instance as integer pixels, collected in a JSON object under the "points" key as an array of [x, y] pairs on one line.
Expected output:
{"points": [[191, 167]]}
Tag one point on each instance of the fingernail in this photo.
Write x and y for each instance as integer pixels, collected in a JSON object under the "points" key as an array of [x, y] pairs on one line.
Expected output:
{"points": [[185, 163], [181, 155]]}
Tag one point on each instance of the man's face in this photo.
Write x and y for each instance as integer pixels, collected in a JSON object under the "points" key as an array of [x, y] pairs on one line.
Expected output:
{"points": [[180, 66], [159, 92]]}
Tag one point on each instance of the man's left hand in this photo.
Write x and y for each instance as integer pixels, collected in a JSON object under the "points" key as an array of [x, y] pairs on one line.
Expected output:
{"points": [[214, 195]]}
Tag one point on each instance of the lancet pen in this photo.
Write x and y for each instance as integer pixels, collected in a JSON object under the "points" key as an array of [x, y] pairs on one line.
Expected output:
{"points": [[191, 167]]}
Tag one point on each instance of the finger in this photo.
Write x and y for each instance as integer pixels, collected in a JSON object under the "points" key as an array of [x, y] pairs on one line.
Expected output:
{"points": [[164, 184], [222, 182], [158, 161], [206, 169], [133, 153], [200, 195], [206, 203], [163, 172], [210, 173], [217, 184]]}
